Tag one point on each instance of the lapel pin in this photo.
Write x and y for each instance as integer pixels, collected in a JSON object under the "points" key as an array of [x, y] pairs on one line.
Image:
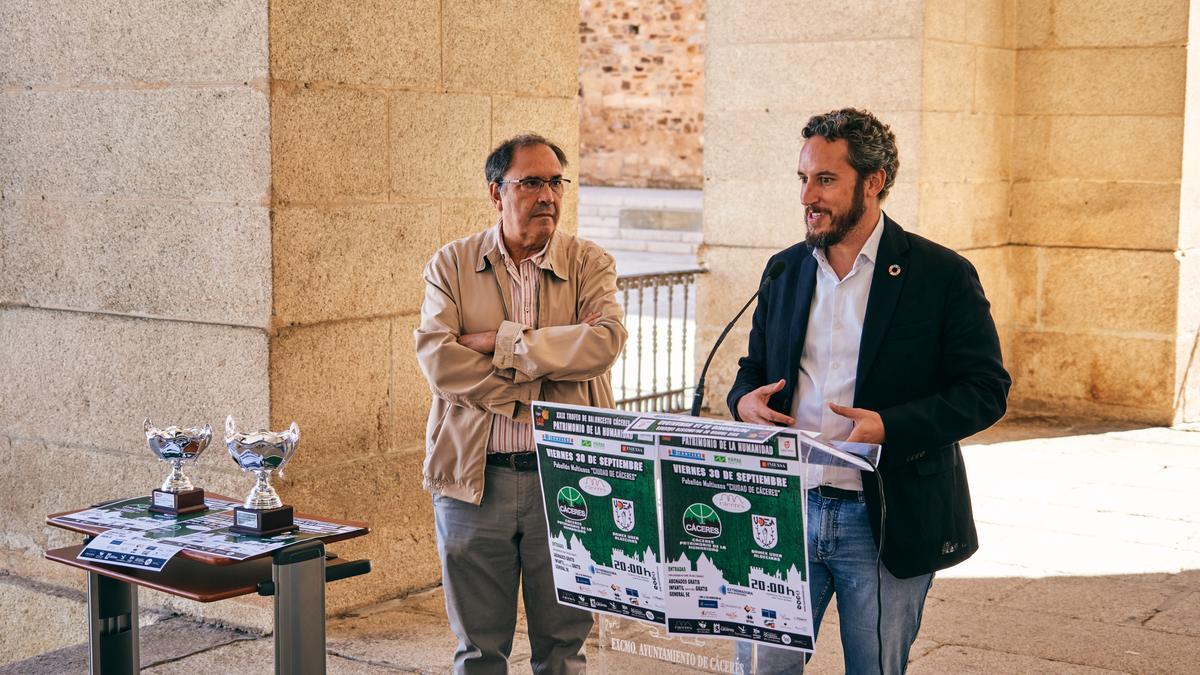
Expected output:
{"points": [[894, 270]]}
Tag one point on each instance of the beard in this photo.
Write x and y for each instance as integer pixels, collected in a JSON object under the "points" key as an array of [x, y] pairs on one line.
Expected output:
{"points": [[840, 224]]}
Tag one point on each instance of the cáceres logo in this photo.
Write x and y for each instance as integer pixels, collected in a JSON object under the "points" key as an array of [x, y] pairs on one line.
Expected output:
{"points": [[571, 503], [700, 520]]}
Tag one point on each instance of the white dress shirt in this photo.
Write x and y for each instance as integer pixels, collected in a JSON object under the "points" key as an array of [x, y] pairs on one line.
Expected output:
{"points": [[829, 361]]}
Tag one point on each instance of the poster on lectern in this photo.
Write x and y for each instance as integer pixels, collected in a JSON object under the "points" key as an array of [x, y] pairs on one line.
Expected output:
{"points": [[666, 519], [733, 522], [598, 483]]}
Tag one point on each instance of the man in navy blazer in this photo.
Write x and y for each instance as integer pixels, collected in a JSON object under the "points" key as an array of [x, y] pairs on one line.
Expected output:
{"points": [[876, 335]]}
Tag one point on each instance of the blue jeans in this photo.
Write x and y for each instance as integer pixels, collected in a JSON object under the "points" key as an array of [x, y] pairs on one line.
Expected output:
{"points": [[486, 551], [841, 562]]}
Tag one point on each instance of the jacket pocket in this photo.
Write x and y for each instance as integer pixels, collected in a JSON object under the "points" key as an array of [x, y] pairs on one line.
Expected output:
{"points": [[939, 461]]}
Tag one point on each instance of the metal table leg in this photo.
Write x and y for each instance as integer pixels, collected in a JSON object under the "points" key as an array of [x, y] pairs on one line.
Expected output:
{"points": [[112, 626], [298, 574]]}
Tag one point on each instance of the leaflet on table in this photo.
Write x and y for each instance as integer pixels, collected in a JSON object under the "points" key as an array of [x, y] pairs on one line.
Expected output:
{"points": [[213, 537], [134, 514], [128, 548], [814, 450], [683, 425], [733, 539], [204, 532], [598, 484], [861, 456]]}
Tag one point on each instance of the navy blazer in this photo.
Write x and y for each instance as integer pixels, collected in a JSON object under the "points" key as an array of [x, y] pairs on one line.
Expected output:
{"points": [[929, 363]]}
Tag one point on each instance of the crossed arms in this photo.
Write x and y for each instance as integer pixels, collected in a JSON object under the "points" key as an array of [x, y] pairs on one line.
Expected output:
{"points": [[497, 369]]}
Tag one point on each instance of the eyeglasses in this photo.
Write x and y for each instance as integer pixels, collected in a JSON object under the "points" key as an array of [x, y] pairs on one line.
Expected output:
{"points": [[533, 185]]}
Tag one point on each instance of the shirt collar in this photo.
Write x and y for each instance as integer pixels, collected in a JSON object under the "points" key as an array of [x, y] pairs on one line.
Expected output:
{"points": [[536, 257], [871, 246], [551, 257]]}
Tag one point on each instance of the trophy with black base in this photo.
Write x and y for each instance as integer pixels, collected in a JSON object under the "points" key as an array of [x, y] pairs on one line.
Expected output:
{"points": [[177, 446], [263, 514]]}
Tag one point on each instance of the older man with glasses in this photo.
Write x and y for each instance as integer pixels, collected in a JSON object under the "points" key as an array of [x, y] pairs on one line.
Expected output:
{"points": [[515, 313]]}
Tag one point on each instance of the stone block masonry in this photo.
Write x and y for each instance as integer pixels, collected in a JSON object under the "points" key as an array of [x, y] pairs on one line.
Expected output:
{"points": [[135, 253], [1052, 143], [642, 219], [382, 116], [641, 83]]}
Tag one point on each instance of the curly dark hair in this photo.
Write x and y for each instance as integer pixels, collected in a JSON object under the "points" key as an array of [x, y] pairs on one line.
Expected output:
{"points": [[501, 158], [872, 143]]}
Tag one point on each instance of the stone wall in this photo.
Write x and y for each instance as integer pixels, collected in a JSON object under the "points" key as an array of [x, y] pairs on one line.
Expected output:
{"points": [[382, 116], [641, 81], [193, 225], [1042, 139], [1187, 331], [135, 261], [643, 220], [757, 102], [969, 60], [1096, 168]]}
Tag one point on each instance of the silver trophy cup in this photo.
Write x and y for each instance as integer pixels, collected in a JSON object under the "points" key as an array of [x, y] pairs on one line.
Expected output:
{"points": [[263, 513], [177, 446]]}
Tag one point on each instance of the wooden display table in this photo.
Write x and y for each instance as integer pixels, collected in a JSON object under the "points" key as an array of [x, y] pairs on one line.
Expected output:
{"points": [[295, 575]]}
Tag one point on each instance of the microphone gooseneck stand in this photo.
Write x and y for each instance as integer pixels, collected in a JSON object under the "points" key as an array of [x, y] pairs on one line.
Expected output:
{"points": [[698, 397]]}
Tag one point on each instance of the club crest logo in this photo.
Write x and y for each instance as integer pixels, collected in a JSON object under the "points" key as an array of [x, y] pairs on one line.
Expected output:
{"points": [[571, 503], [766, 531], [623, 514], [700, 520]]}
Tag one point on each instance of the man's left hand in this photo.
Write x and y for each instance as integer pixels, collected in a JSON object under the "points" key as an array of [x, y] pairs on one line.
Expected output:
{"points": [[484, 343], [868, 425]]}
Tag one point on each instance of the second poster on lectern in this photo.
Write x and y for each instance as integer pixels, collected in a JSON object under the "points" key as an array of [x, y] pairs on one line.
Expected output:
{"points": [[733, 540], [598, 483]]}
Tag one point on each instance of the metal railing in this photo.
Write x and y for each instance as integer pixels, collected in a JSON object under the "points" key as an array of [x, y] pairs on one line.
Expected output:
{"points": [[656, 370]]}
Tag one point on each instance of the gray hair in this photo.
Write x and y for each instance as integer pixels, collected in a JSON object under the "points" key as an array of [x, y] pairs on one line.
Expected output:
{"points": [[501, 158], [872, 143]]}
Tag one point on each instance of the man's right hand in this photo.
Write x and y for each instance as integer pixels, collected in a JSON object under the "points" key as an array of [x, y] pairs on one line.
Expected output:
{"points": [[753, 407]]}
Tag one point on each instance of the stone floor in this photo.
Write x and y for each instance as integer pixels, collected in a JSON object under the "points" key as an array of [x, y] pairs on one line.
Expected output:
{"points": [[1090, 563]]}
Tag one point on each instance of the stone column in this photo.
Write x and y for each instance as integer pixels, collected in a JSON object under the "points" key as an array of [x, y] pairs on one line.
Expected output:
{"points": [[769, 67], [1096, 221], [1043, 140], [966, 152], [135, 261], [382, 115], [194, 226], [1187, 349]]}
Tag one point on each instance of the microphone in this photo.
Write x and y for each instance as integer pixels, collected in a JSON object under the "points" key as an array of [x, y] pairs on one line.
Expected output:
{"points": [[698, 398]]}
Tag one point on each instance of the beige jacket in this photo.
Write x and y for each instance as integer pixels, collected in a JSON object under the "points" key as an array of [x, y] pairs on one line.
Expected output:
{"points": [[564, 361]]}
